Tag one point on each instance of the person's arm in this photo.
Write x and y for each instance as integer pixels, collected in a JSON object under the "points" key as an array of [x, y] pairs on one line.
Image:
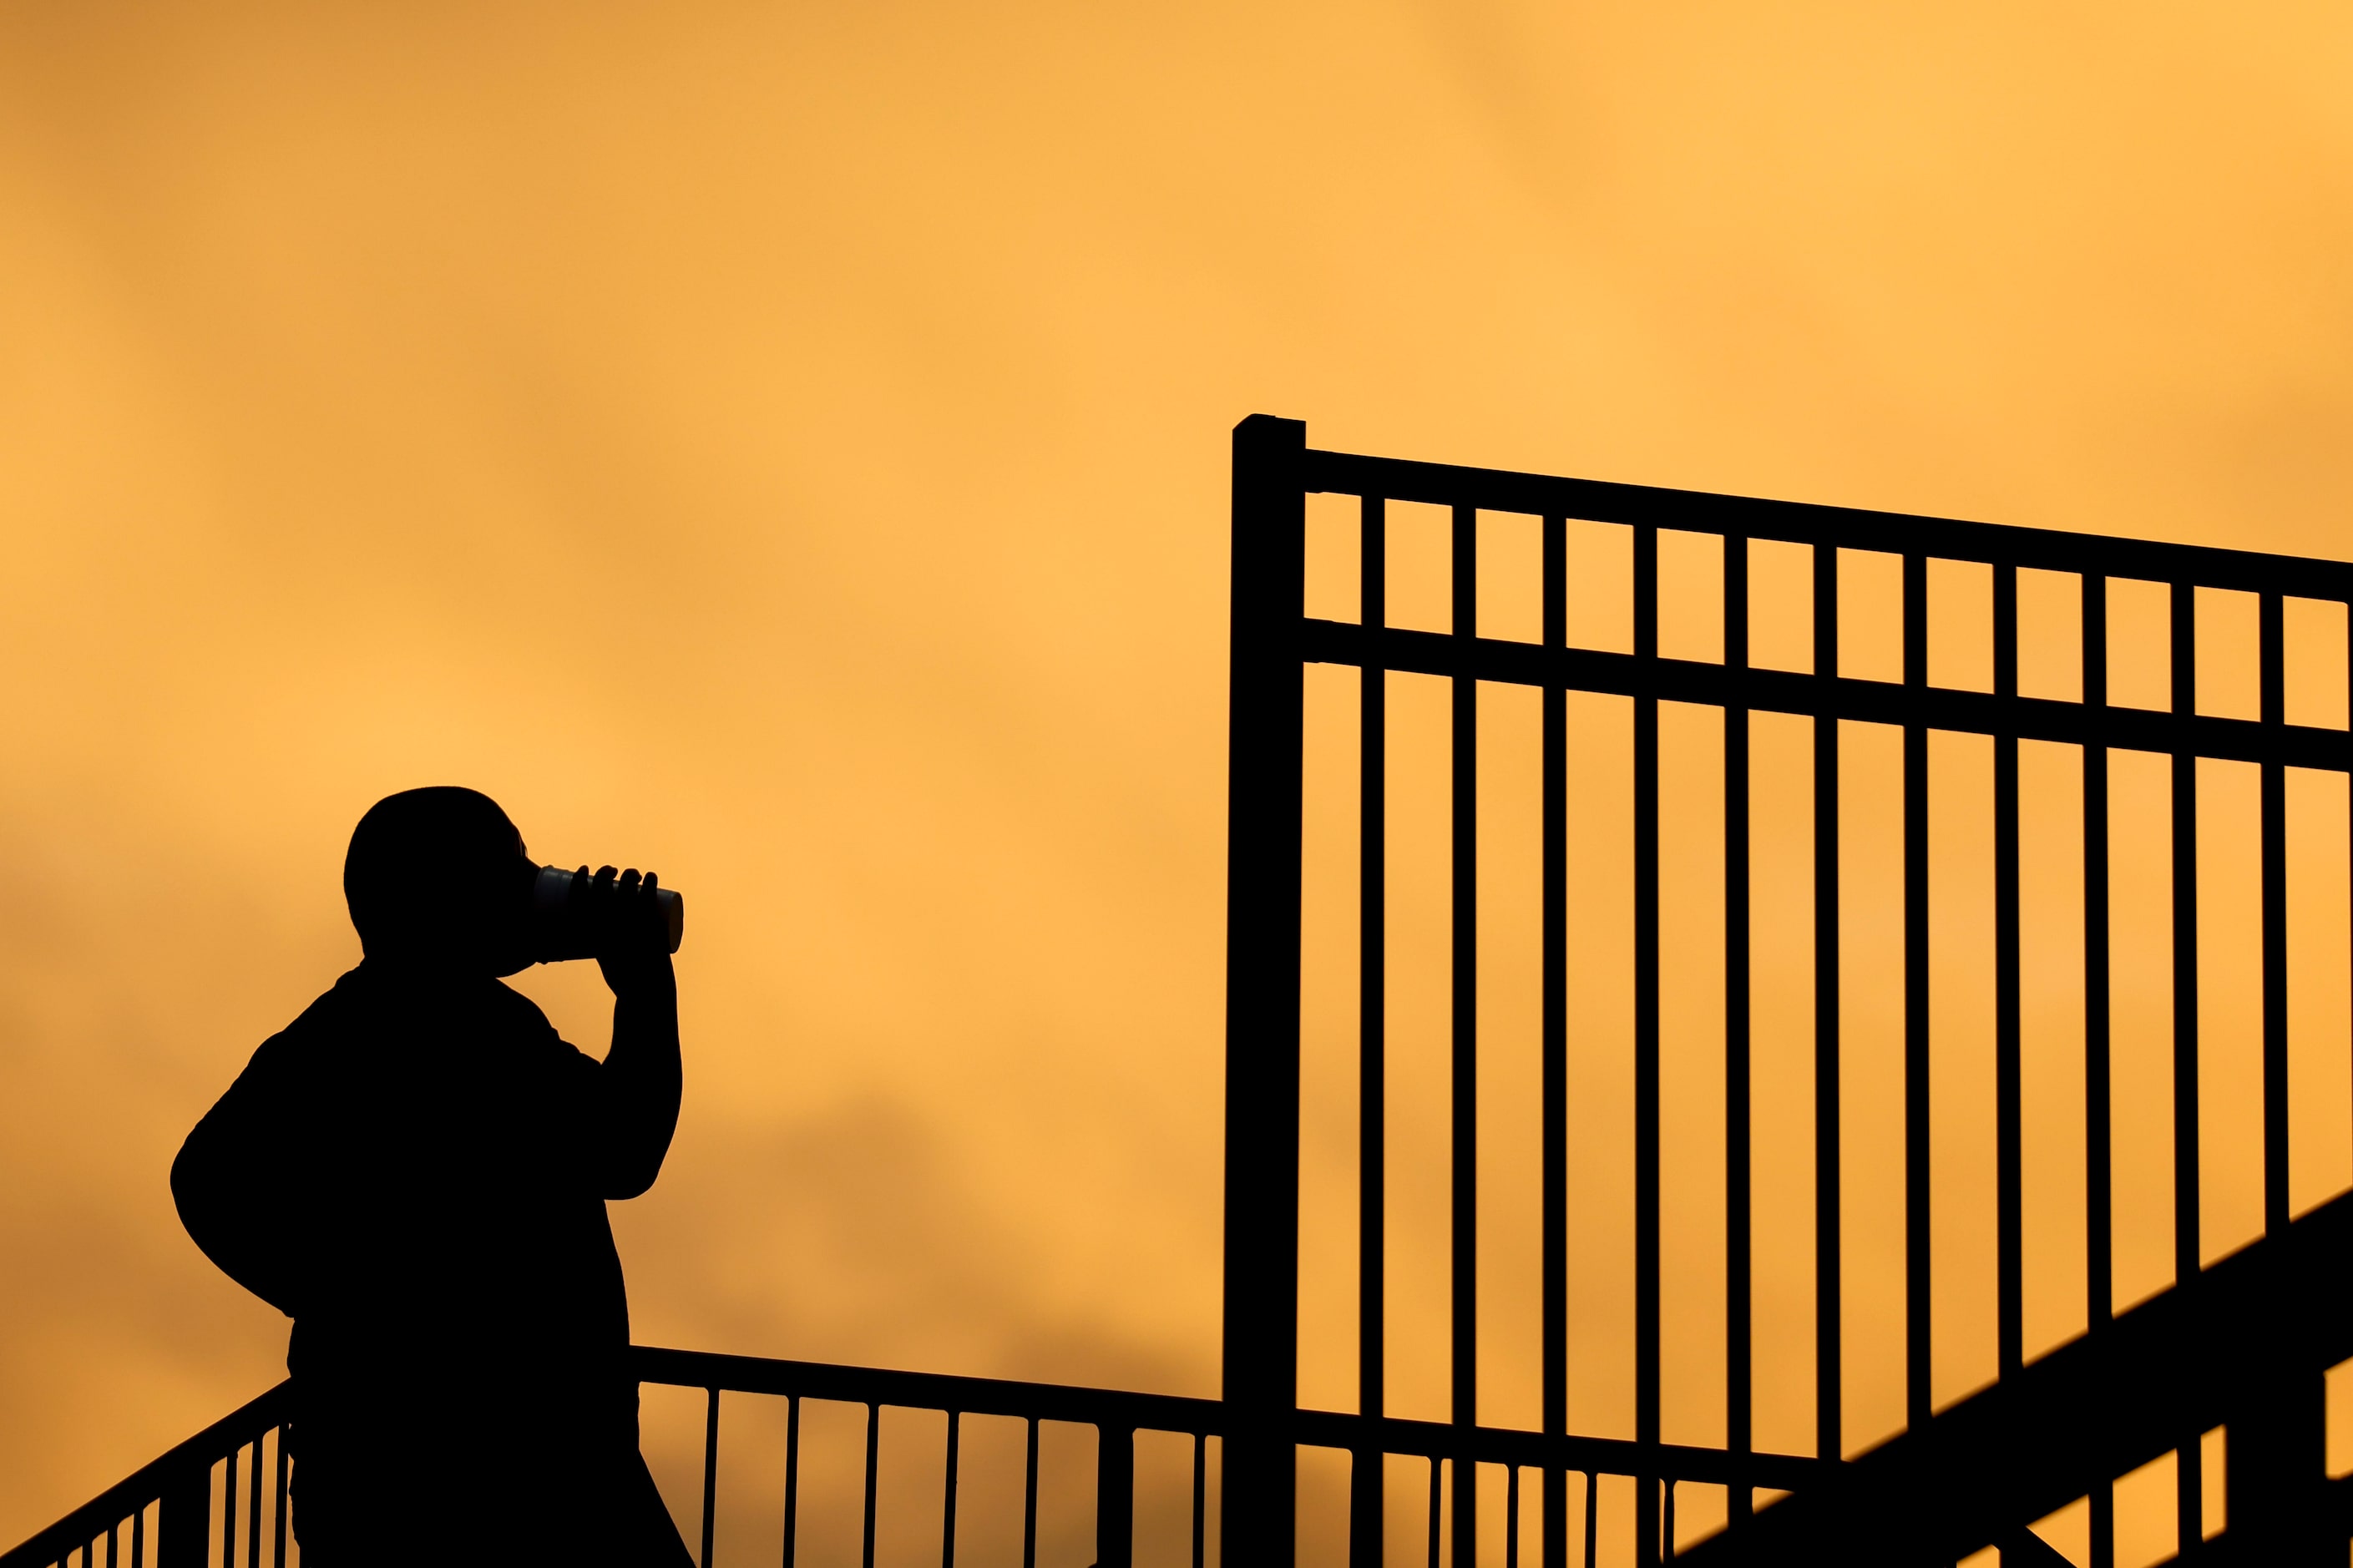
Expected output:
{"points": [[641, 1078], [230, 1192]]}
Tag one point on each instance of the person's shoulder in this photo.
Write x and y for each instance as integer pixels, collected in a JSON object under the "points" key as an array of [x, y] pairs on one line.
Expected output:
{"points": [[316, 1028]]}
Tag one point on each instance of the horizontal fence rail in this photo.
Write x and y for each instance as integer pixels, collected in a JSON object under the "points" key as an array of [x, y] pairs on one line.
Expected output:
{"points": [[1118, 1417], [231, 1458], [1959, 712], [1803, 522], [2275, 1474], [168, 1510]]}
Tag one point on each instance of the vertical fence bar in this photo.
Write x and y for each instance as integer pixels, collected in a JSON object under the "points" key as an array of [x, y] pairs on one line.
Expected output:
{"points": [[1829, 1388], [1365, 1484], [1739, 1346], [873, 1475], [2278, 1497], [277, 1553], [2099, 1209], [2182, 683], [2272, 680], [1115, 1495], [948, 1502], [2009, 1177], [1262, 888], [1030, 1497], [711, 1474], [1646, 1044], [1512, 1516], [139, 1541], [2184, 679], [1200, 1498], [1592, 1517], [2098, 1204], [1918, 1252], [1555, 1026], [1464, 1107], [228, 1509], [253, 1514], [792, 1478], [1436, 1510]]}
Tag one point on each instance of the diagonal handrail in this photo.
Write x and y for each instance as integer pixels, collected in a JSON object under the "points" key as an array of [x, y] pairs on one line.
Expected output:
{"points": [[157, 1480], [181, 1477], [2187, 1359]]}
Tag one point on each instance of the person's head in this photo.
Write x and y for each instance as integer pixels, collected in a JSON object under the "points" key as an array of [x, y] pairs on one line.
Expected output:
{"points": [[436, 878]]}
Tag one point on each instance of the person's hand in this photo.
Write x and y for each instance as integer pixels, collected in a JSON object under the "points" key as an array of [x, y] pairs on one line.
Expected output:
{"points": [[636, 951]]}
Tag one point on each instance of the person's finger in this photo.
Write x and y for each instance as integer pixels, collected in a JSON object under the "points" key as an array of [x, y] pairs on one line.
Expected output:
{"points": [[605, 875], [652, 881], [630, 880]]}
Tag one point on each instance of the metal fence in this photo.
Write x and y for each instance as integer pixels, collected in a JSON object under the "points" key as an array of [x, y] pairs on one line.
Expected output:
{"points": [[199, 1512], [1116, 1417], [1273, 640], [222, 1497], [2241, 1343], [186, 1502]]}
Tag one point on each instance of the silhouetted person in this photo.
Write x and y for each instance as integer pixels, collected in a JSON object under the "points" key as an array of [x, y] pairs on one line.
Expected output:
{"points": [[415, 1171]]}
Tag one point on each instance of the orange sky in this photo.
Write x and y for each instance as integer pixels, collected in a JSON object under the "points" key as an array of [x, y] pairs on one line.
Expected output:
{"points": [[788, 449]]}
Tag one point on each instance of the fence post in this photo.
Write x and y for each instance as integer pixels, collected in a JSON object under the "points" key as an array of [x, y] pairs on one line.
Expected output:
{"points": [[1115, 1496], [183, 1518], [2275, 1474], [1263, 845]]}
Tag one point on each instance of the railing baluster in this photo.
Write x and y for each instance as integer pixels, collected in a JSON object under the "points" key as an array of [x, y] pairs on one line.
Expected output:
{"points": [[2273, 682], [253, 1509], [1917, 1287], [1464, 1091], [1667, 1529], [2010, 1265], [1553, 924], [1646, 1039], [710, 1476], [1436, 1510], [2186, 1182], [1029, 1499], [228, 1509], [279, 1529], [873, 1441], [1512, 1516], [139, 1539], [1115, 1495], [1372, 1045], [1200, 1497], [1829, 1386], [1592, 1517], [948, 1505], [2098, 1167], [792, 1477], [1738, 1349]]}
